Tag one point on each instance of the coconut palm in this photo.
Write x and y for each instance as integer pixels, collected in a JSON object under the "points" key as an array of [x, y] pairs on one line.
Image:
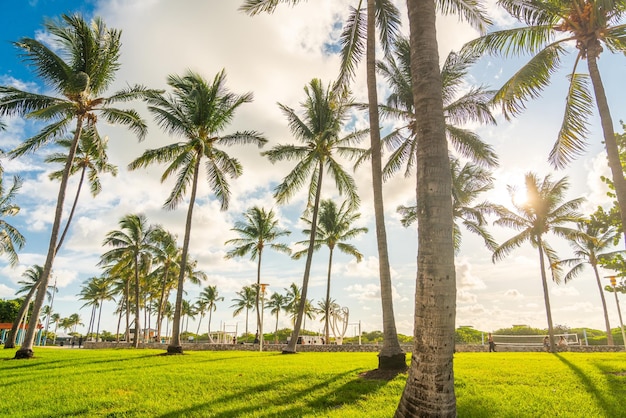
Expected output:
{"points": [[260, 229], [90, 159], [96, 292], [544, 211], [210, 296], [167, 261], [319, 132], [55, 319], [11, 239], [548, 32], [334, 227], [468, 182], [79, 70], [360, 29], [32, 275], [133, 247], [276, 303], [199, 112], [590, 246], [74, 320], [430, 384], [245, 301], [292, 301]]}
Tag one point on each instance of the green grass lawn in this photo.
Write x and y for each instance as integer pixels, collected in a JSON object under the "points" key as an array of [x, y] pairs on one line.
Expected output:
{"points": [[145, 383]]}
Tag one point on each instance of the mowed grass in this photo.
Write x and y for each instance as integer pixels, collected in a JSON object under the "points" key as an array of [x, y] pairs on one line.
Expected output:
{"points": [[145, 383]]}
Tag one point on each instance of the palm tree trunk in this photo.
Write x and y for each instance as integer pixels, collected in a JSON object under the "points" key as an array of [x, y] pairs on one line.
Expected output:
{"points": [[612, 151], [291, 347], [429, 391], [162, 301], [12, 337], [99, 317], [209, 327], [276, 328], [71, 215], [546, 296], [137, 307], [175, 346], [258, 291], [127, 303], [391, 355], [326, 320], [26, 350], [609, 334]]}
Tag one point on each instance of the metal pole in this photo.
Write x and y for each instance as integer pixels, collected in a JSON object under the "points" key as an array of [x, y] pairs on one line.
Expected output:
{"points": [[263, 286]]}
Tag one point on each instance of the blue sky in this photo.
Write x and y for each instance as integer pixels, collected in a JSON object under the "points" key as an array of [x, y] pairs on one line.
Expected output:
{"points": [[274, 57]]}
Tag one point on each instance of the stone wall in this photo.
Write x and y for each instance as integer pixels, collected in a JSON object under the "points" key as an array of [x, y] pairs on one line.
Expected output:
{"points": [[331, 348]]}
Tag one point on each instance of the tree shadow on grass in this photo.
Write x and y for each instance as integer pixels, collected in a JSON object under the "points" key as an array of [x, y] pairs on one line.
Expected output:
{"points": [[291, 403], [612, 405]]}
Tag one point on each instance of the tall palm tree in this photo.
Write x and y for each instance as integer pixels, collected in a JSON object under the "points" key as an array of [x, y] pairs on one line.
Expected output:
{"points": [[590, 246], [10, 238], [90, 159], [133, 247], [429, 390], [359, 29], [334, 227], [259, 229], [210, 296], [199, 112], [544, 211], [79, 70], [96, 292], [245, 301], [468, 181], [319, 131], [276, 303], [292, 301], [548, 31]]}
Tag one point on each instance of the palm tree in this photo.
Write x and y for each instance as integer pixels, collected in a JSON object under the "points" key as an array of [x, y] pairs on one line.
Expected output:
{"points": [[429, 390], [133, 247], [32, 276], [90, 159], [199, 112], [334, 226], [10, 237], [259, 229], [325, 111], [468, 182], [210, 297], [79, 69], [96, 292], [292, 301], [246, 300], [167, 260], [551, 28], [276, 303], [544, 211], [469, 107], [55, 319], [362, 23], [590, 245]]}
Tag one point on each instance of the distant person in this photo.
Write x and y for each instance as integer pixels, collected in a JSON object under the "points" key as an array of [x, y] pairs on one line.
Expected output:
{"points": [[546, 343], [492, 345], [562, 341], [72, 342], [256, 338], [234, 340], [80, 341]]}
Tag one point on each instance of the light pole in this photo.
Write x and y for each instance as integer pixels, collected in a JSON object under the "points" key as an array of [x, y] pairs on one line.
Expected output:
{"points": [[263, 286], [619, 312]]}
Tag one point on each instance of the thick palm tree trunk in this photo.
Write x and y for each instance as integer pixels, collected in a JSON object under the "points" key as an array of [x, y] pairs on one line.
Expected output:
{"points": [[26, 350], [326, 320], [258, 291], [137, 305], [175, 346], [429, 391], [291, 347], [609, 334], [610, 144], [391, 355], [546, 297]]}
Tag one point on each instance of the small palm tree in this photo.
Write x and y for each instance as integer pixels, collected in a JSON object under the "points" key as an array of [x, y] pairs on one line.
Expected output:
{"points": [[55, 319], [590, 245], [30, 285], [293, 297], [79, 70], [260, 229], [276, 303], [334, 227], [199, 112], [319, 131], [133, 247], [544, 211], [210, 296], [245, 301]]}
